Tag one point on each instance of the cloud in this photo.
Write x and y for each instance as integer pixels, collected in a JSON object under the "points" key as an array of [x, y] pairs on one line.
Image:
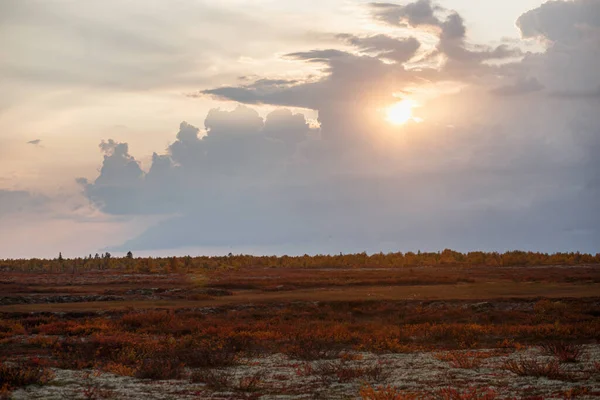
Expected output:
{"points": [[561, 21], [571, 30], [35, 142], [19, 201], [345, 74], [237, 147], [450, 28], [116, 46], [117, 188], [415, 14], [515, 171], [383, 46], [229, 193], [522, 86], [578, 94]]}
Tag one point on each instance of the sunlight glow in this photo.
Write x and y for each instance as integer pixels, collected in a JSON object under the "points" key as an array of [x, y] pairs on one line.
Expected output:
{"points": [[400, 113]]}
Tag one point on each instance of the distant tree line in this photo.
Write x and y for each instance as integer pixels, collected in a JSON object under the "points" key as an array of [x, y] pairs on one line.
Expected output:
{"points": [[361, 260]]}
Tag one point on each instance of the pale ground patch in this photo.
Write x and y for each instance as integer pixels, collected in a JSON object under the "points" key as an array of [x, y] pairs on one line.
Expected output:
{"points": [[285, 378]]}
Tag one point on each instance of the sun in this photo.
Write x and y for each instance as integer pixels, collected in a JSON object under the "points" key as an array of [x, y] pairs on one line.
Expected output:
{"points": [[400, 113]]}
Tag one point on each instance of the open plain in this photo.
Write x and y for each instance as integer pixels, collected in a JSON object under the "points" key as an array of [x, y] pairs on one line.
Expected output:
{"points": [[342, 328]]}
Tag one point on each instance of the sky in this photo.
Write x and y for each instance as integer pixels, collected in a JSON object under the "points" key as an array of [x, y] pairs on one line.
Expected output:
{"points": [[269, 127]]}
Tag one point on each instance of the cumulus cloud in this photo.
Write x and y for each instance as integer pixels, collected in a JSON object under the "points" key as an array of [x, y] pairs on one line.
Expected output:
{"points": [[237, 149], [117, 188], [514, 171], [561, 21], [572, 31]]}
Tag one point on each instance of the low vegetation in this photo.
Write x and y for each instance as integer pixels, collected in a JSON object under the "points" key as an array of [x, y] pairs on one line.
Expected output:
{"points": [[278, 344]]}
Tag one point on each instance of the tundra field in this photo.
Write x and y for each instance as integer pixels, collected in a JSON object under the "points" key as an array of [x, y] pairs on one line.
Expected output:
{"points": [[443, 326]]}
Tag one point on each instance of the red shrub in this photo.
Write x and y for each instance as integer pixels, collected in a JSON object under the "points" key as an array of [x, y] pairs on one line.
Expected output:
{"points": [[565, 352], [385, 393], [160, 369], [218, 380], [532, 367], [22, 374]]}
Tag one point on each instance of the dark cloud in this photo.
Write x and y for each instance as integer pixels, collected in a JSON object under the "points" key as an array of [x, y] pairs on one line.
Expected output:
{"points": [[35, 142]]}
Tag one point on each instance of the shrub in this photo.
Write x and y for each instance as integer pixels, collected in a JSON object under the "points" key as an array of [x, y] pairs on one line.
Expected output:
{"points": [[531, 367], [217, 380], [350, 356], [462, 360], [11, 328], [565, 352], [546, 307], [252, 382], [468, 394], [312, 349], [509, 344], [92, 390], [74, 353], [377, 372], [119, 369], [159, 369], [44, 342], [338, 371], [208, 353], [575, 392], [22, 374], [157, 322], [368, 392], [5, 392]]}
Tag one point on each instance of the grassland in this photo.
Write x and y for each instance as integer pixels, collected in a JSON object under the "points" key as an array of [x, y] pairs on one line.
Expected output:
{"points": [[285, 330]]}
